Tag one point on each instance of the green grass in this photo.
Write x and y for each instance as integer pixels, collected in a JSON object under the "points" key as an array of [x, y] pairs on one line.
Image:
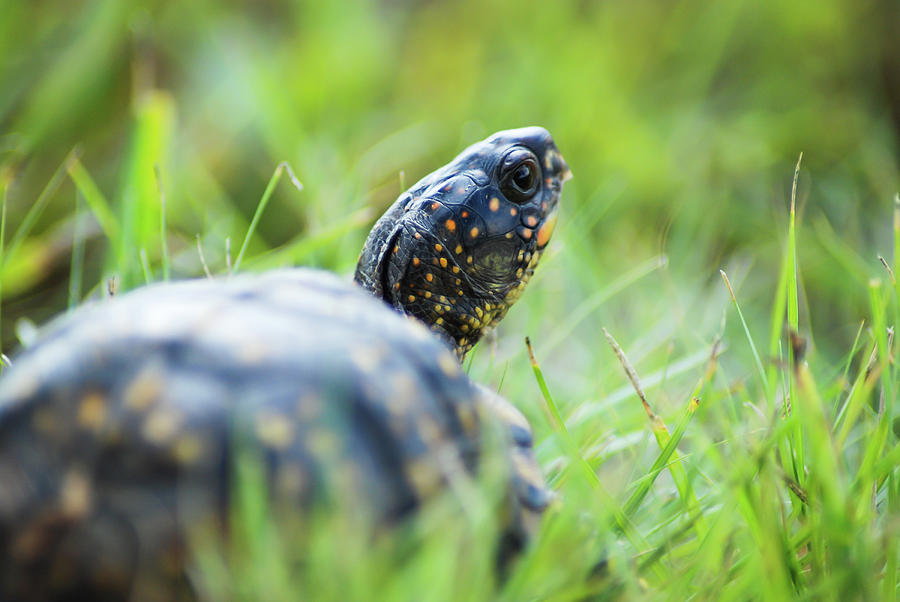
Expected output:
{"points": [[133, 136]]}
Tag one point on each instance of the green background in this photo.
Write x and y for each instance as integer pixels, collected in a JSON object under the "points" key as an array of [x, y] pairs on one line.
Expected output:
{"points": [[682, 123]]}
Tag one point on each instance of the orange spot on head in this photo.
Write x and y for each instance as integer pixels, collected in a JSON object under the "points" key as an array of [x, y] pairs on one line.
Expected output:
{"points": [[434, 206], [417, 235], [513, 211], [526, 233], [465, 214], [546, 230], [450, 225], [494, 204], [532, 221]]}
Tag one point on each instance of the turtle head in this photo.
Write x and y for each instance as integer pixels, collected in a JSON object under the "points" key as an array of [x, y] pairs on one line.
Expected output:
{"points": [[457, 249]]}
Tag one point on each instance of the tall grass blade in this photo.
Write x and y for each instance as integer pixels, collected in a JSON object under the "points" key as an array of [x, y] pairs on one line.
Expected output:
{"points": [[270, 188]]}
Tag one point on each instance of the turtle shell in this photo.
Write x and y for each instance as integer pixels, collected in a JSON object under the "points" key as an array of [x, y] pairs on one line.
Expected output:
{"points": [[119, 426]]}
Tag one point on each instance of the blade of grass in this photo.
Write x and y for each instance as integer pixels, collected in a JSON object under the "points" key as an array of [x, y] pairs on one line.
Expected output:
{"points": [[270, 188], [302, 246], [663, 439], [163, 242], [584, 309], [95, 200], [793, 314], [622, 521], [760, 371], [38, 206], [897, 242], [846, 373], [76, 269], [145, 265], [5, 179]]}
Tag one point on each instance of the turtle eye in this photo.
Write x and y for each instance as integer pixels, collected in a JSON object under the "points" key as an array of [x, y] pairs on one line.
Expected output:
{"points": [[521, 178]]}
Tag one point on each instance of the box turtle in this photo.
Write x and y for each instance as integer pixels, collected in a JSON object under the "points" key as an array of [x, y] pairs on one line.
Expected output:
{"points": [[119, 426]]}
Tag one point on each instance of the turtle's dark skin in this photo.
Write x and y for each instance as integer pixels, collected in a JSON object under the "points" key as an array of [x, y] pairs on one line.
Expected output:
{"points": [[457, 249], [118, 428]]}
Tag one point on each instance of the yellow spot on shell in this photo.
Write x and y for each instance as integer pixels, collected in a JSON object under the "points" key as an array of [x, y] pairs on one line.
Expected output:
{"points": [[428, 294], [494, 204], [416, 261], [143, 390], [479, 312], [429, 277], [458, 249], [92, 411], [465, 328], [443, 262], [413, 297], [469, 259], [417, 235], [513, 211], [274, 430], [456, 269], [75, 494], [188, 449], [439, 321], [473, 232], [161, 425], [448, 365], [424, 477], [509, 235], [450, 225], [438, 247]]}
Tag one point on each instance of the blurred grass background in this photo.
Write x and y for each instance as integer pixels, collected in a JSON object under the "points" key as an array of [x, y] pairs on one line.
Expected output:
{"points": [[682, 122]]}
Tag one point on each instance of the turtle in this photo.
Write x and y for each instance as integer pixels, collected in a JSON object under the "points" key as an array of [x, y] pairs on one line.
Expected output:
{"points": [[120, 426]]}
